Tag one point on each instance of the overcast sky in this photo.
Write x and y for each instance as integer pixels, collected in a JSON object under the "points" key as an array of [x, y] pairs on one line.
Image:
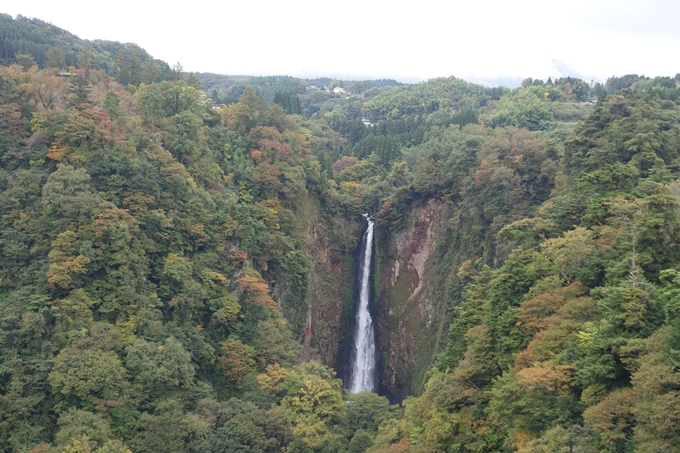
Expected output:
{"points": [[488, 41]]}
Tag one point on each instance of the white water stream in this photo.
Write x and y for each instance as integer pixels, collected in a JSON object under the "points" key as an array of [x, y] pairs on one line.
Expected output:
{"points": [[362, 378]]}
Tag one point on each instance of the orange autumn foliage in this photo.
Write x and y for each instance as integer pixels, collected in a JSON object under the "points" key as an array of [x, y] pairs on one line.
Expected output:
{"points": [[256, 292], [236, 360], [613, 417], [547, 377], [534, 313], [343, 163], [403, 446], [266, 176]]}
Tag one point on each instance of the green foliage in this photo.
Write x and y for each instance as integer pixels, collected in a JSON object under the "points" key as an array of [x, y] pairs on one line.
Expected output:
{"points": [[85, 375], [615, 84], [425, 97], [163, 366], [289, 102], [53, 47], [570, 330], [521, 108], [361, 441], [75, 424], [156, 254], [366, 411], [128, 236]]}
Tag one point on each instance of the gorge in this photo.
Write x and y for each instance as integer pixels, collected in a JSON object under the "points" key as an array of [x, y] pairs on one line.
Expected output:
{"points": [[185, 266]]}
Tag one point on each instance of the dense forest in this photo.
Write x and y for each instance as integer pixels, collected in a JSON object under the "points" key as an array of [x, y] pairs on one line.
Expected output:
{"points": [[161, 236]]}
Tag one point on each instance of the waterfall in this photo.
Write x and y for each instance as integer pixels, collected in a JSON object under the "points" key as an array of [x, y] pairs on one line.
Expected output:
{"points": [[362, 378]]}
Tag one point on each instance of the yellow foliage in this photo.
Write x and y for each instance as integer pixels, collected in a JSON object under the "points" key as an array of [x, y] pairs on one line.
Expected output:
{"points": [[310, 394], [272, 377], [81, 445], [521, 439], [298, 142], [230, 308], [438, 426], [566, 254], [56, 152], [353, 188], [392, 436], [218, 277], [62, 262], [466, 270], [128, 328], [273, 205], [319, 393], [311, 430]]}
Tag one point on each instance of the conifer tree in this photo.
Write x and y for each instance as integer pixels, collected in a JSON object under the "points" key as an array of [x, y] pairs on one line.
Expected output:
{"points": [[85, 60], [123, 68], [26, 61]]}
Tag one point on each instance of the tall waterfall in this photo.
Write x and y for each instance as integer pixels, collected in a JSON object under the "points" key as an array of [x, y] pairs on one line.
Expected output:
{"points": [[362, 378]]}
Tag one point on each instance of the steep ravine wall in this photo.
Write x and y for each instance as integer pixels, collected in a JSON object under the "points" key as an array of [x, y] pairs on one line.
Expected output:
{"points": [[410, 316], [411, 268], [419, 248], [332, 241]]}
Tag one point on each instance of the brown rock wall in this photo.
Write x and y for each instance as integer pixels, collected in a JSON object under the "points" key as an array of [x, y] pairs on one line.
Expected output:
{"points": [[409, 318]]}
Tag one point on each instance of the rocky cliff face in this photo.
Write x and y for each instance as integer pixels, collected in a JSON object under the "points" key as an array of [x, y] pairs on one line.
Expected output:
{"points": [[410, 317], [409, 308], [332, 242]]}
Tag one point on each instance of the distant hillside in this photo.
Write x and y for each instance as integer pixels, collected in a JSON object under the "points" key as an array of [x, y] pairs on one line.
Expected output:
{"points": [[426, 97], [228, 89], [232, 86], [42, 41]]}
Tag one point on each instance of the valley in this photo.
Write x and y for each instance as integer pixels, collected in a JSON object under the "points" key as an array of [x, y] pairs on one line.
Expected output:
{"points": [[194, 262]]}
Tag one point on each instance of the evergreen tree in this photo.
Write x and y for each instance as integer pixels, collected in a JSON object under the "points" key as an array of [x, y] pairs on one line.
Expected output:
{"points": [[134, 70], [85, 60], [26, 61], [150, 72], [123, 68]]}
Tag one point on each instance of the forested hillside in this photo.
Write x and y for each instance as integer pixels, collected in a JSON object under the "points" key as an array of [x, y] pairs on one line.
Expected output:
{"points": [[27, 42], [136, 232], [569, 344], [313, 95], [177, 265]]}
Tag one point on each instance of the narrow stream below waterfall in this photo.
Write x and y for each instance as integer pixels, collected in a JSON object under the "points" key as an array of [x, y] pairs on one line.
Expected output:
{"points": [[363, 369]]}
